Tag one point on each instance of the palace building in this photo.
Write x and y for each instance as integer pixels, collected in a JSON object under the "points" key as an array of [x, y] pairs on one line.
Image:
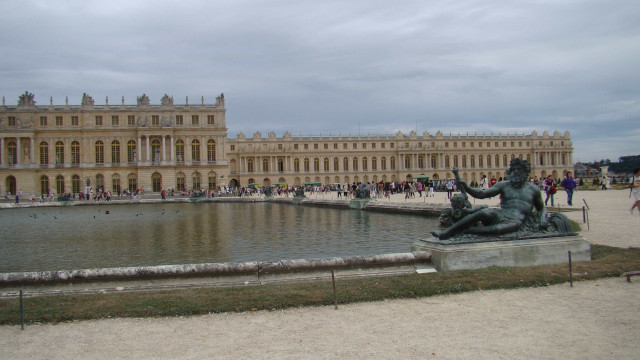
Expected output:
{"points": [[70, 148]]}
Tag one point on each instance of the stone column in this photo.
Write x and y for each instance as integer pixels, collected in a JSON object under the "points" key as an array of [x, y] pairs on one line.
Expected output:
{"points": [[164, 149], [139, 146], [18, 151], [173, 150], [148, 152], [32, 151]]}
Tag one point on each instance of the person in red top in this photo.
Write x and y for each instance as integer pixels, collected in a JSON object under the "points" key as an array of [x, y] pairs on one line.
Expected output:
{"points": [[493, 181]]}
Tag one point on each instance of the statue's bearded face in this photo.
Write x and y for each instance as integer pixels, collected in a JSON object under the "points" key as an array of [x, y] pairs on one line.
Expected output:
{"points": [[517, 175]]}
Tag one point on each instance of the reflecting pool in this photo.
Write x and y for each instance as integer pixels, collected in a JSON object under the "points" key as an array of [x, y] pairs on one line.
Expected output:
{"points": [[75, 237]]}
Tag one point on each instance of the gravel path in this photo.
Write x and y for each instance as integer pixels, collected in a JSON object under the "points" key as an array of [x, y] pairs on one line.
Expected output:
{"points": [[594, 319]]}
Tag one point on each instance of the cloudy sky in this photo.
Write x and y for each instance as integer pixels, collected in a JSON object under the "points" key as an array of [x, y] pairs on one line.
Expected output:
{"points": [[346, 67]]}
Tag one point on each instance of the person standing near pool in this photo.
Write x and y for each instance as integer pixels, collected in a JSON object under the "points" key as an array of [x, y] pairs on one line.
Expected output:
{"points": [[569, 183], [634, 184]]}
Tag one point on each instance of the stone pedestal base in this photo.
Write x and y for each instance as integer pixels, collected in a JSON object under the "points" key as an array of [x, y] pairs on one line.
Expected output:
{"points": [[359, 203], [526, 252]]}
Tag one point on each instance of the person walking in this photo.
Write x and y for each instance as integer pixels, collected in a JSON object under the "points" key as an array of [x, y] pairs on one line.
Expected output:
{"points": [[634, 184], [569, 184], [550, 189]]}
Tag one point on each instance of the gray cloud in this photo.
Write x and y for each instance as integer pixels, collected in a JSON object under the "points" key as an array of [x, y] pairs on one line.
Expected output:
{"points": [[346, 67]]}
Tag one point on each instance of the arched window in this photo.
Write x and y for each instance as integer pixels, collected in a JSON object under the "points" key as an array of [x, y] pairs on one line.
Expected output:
{"points": [[180, 151], [473, 161], [296, 165], [434, 162], [355, 164], [336, 164], [44, 185], [306, 164], [505, 161], [250, 165], [265, 165], [497, 164], [197, 180], [195, 150], [421, 161], [281, 165], [374, 163], [464, 161], [115, 152], [211, 150], [447, 163], [407, 162], [59, 153], [99, 152], [392, 161], [345, 164], [326, 164], [60, 184], [365, 164], [316, 164], [383, 163], [480, 161], [488, 160], [75, 153], [44, 153], [455, 161]]}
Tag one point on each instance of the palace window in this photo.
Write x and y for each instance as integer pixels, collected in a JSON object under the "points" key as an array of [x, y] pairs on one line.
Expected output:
{"points": [[365, 164], [407, 162], [99, 152], [132, 182], [296, 165], [44, 153], [60, 184], [44, 185], [12, 152], [195, 119], [59, 152], [336, 163], [11, 121], [434, 162], [250, 165], [43, 121], [179, 120], [316, 164], [421, 161], [180, 181], [197, 180], [59, 121], [355, 164], [383, 163], [115, 152], [265, 165], [74, 121], [306, 164], [100, 181], [115, 183], [115, 120], [326, 163], [131, 120], [75, 184], [210, 119], [131, 151], [345, 164], [393, 162], [155, 120], [374, 163], [195, 150], [211, 150], [75, 153], [155, 150], [98, 120], [212, 181]]}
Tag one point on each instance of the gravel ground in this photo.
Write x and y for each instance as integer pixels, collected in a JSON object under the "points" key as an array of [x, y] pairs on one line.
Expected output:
{"points": [[594, 319]]}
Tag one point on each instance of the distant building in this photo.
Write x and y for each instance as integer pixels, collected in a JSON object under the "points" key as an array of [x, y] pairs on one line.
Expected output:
{"points": [[70, 148]]}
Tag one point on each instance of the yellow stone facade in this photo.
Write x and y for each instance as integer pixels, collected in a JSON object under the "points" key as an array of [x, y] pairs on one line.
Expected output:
{"points": [[70, 148], [66, 148], [296, 160]]}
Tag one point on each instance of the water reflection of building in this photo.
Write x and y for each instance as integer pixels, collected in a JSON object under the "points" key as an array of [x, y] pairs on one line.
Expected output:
{"points": [[65, 148]]}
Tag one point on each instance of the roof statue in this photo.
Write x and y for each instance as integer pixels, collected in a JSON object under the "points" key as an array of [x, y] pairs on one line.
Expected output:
{"points": [[26, 99], [166, 100], [87, 100], [220, 100], [143, 100]]}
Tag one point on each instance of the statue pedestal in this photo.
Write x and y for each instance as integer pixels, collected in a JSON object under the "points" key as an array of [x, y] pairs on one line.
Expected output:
{"points": [[526, 252], [359, 203]]}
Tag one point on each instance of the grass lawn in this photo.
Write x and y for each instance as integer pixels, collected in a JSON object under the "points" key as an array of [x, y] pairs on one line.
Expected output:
{"points": [[607, 262]]}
